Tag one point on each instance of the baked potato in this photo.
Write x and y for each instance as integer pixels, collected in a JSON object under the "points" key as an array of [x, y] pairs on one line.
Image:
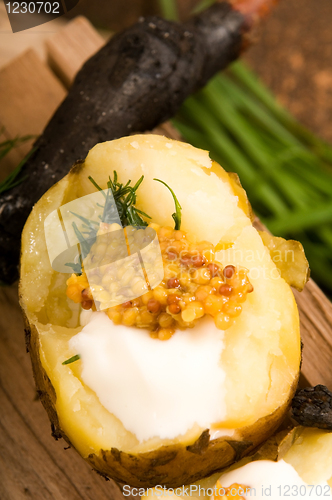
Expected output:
{"points": [[260, 355], [296, 463]]}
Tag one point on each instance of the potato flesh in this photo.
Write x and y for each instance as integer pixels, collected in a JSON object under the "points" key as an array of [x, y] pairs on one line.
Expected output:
{"points": [[187, 170], [290, 259], [261, 365], [75, 401], [262, 351], [311, 456], [36, 271]]}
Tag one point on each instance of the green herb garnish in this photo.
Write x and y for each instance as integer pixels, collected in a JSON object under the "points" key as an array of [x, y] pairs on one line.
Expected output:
{"points": [[177, 215], [85, 245], [5, 147], [76, 266], [124, 196], [72, 359], [88, 222], [125, 200], [9, 144], [96, 185], [12, 181]]}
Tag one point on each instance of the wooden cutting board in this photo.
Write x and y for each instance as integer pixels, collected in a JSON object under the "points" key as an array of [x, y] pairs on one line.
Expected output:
{"points": [[32, 464]]}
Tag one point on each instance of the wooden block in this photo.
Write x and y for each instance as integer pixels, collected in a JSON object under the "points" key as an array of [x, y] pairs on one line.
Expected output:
{"points": [[29, 95], [12, 45], [36, 89], [69, 48], [316, 331]]}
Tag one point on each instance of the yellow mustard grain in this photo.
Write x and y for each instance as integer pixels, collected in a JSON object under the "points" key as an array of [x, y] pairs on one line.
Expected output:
{"points": [[194, 284]]}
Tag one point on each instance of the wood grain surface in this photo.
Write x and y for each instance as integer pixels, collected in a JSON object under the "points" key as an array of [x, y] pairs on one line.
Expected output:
{"points": [[32, 464], [30, 93]]}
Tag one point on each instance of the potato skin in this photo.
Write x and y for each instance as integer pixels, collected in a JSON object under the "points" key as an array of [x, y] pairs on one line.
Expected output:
{"points": [[171, 465], [45, 389]]}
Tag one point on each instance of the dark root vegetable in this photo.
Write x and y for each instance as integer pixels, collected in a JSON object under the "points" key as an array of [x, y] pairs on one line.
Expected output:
{"points": [[312, 407], [136, 81]]}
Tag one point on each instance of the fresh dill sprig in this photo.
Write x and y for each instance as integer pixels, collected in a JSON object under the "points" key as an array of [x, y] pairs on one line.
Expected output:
{"points": [[125, 197], [71, 360], [85, 245], [76, 267], [88, 222], [5, 148], [177, 215], [96, 185]]}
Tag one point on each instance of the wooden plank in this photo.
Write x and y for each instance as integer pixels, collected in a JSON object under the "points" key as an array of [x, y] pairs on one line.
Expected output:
{"points": [[12, 45], [71, 47], [29, 95], [32, 464], [28, 84], [316, 331]]}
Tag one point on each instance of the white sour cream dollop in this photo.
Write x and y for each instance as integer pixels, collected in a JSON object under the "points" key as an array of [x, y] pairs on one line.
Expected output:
{"points": [[155, 388], [270, 480]]}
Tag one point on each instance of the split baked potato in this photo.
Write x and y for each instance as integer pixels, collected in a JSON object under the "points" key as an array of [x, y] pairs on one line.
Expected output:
{"points": [[262, 351]]}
